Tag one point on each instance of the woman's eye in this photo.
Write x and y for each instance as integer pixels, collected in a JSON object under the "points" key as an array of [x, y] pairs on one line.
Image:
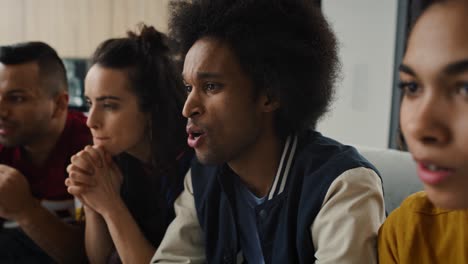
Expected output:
{"points": [[408, 88], [463, 89]]}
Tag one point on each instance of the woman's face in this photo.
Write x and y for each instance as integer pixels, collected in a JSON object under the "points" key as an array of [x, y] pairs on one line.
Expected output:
{"points": [[434, 109], [115, 119]]}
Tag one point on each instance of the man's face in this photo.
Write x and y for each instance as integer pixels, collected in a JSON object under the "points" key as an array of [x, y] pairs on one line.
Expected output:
{"points": [[25, 108], [434, 110], [225, 119]]}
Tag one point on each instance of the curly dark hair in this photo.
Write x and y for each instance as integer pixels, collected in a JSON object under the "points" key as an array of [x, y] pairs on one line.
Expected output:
{"points": [[51, 69], [286, 47]]}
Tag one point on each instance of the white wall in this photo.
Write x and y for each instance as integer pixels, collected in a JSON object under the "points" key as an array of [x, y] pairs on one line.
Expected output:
{"points": [[75, 27], [366, 30]]}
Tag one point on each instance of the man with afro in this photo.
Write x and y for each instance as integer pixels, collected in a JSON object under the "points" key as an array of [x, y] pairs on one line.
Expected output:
{"points": [[265, 187]]}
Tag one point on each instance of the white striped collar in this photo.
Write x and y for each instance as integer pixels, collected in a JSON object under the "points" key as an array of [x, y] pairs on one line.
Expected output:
{"points": [[284, 166]]}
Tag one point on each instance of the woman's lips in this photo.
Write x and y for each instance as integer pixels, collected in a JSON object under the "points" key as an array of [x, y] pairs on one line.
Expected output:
{"points": [[433, 174], [100, 140]]}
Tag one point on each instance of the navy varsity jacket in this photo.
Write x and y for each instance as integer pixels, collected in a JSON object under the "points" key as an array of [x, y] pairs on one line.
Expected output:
{"points": [[310, 163]]}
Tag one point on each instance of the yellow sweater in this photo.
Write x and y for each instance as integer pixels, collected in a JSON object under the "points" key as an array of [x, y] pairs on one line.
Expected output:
{"points": [[417, 232]]}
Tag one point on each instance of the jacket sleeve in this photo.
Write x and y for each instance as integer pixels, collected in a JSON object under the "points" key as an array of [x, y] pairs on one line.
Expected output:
{"points": [[183, 241], [345, 229]]}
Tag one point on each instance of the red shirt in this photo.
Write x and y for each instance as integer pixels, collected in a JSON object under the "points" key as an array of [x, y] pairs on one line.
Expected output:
{"points": [[47, 181]]}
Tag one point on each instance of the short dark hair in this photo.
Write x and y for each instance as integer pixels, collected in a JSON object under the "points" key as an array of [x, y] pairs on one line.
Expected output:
{"points": [[147, 59], [51, 69], [286, 47]]}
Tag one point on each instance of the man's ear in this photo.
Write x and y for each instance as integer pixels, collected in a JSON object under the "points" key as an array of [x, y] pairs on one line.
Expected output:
{"points": [[269, 103], [60, 104]]}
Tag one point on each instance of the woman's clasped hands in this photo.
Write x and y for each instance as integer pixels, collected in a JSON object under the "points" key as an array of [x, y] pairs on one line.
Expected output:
{"points": [[95, 179]]}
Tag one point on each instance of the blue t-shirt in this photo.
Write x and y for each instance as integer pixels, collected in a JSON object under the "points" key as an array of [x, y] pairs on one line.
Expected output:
{"points": [[246, 202]]}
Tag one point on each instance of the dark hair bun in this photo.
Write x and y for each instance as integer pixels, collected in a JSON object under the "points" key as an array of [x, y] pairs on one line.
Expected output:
{"points": [[150, 40]]}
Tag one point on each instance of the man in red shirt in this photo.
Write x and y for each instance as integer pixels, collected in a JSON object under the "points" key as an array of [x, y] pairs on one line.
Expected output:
{"points": [[38, 135]]}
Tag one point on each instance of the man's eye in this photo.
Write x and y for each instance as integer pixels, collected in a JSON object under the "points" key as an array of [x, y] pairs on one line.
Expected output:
{"points": [[188, 88], [17, 99], [209, 87]]}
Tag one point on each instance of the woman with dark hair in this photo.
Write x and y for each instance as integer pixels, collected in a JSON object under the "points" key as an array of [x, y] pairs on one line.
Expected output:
{"points": [[431, 226], [130, 178]]}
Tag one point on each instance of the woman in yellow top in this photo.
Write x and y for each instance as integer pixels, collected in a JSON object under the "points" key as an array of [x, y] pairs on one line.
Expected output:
{"points": [[432, 226]]}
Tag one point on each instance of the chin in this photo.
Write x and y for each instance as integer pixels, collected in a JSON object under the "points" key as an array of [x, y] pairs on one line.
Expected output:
{"points": [[113, 152], [110, 149], [451, 200], [209, 158]]}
